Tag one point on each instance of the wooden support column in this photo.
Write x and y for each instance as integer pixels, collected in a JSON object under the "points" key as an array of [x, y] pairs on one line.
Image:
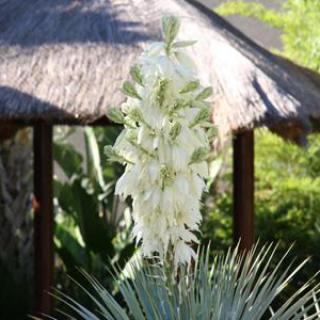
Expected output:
{"points": [[243, 189], [43, 218]]}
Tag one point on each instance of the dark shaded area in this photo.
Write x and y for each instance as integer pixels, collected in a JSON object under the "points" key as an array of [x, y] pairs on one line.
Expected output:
{"points": [[15, 100], [16, 296], [39, 22]]}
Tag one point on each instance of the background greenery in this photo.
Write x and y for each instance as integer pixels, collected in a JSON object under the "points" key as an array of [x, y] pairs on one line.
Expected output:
{"points": [[287, 195], [92, 226], [287, 200]]}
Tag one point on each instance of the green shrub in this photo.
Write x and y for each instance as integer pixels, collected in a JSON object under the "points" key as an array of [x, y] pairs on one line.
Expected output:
{"points": [[287, 201]]}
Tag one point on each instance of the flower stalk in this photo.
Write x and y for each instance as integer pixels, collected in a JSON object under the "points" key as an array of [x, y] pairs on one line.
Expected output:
{"points": [[164, 146]]}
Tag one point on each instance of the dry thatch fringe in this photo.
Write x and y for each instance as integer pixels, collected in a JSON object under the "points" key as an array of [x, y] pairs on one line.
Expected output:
{"points": [[64, 62], [16, 240]]}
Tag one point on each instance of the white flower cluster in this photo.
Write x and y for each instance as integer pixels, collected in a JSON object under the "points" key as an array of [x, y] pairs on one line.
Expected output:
{"points": [[164, 145]]}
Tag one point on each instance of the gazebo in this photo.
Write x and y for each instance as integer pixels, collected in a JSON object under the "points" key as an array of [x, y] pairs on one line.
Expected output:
{"points": [[62, 62]]}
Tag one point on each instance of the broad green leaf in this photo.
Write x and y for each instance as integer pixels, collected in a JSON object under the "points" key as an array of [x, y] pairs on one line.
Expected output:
{"points": [[94, 169], [68, 158]]}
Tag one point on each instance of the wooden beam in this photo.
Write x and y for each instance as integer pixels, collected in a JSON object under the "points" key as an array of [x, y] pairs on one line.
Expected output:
{"points": [[43, 218], [243, 189]]}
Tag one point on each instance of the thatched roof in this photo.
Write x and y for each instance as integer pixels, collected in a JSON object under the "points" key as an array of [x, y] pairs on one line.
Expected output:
{"points": [[64, 61]]}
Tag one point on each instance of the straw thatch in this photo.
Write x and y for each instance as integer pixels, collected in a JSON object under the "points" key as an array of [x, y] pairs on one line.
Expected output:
{"points": [[63, 61]]}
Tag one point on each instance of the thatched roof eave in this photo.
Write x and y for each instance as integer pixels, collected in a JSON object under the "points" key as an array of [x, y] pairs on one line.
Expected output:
{"points": [[64, 63]]}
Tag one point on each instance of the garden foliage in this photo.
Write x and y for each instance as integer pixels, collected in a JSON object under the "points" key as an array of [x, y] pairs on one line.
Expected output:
{"points": [[90, 227], [287, 184]]}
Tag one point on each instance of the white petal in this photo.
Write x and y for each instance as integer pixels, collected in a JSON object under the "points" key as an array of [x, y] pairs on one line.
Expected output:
{"points": [[183, 253], [181, 185], [153, 170], [186, 62], [201, 169], [180, 158], [167, 201]]}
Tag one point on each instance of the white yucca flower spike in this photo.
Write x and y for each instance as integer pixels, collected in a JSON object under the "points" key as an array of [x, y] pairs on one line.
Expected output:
{"points": [[164, 146]]}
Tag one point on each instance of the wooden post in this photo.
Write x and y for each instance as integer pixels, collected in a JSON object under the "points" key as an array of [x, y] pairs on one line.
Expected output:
{"points": [[243, 189], [43, 218]]}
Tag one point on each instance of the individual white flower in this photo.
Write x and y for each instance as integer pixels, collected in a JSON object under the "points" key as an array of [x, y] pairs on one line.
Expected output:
{"points": [[164, 147], [182, 253], [186, 62], [154, 171], [180, 157], [201, 169]]}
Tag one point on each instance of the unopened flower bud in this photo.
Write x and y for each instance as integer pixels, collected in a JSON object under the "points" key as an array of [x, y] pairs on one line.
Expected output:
{"points": [[183, 44], [212, 133], [190, 86], [170, 26], [162, 91], [129, 90], [202, 116], [114, 156], [175, 130], [199, 155], [204, 94], [136, 115], [115, 115], [136, 74]]}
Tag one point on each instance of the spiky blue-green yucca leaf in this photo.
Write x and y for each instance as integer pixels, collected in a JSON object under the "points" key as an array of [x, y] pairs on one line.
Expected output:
{"points": [[231, 287]]}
